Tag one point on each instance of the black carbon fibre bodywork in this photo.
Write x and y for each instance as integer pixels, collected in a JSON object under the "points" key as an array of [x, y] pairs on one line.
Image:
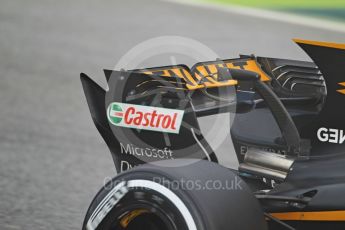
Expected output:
{"points": [[298, 114]]}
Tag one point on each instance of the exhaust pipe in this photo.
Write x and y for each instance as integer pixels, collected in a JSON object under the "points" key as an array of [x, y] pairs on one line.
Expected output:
{"points": [[266, 164]]}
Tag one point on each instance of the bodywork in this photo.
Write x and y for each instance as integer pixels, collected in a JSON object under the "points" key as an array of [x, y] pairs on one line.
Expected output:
{"points": [[287, 132]]}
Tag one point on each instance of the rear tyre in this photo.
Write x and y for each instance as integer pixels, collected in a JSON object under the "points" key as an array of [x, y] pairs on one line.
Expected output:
{"points": [[197, 196]]}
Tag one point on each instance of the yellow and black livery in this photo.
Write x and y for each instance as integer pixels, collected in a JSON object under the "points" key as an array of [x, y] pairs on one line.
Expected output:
{"points": [[288, 132]]}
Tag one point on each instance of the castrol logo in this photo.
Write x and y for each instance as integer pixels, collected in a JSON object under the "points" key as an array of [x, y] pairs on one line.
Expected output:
{"points": [[145, 117]]}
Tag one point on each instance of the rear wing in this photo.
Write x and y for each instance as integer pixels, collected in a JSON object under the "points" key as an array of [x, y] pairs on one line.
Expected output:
{"points": [[158, 96], [168, 87], [205, 74]]}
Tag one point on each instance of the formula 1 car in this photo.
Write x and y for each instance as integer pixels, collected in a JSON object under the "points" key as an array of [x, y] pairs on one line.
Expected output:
{"points": [[288, 134]]}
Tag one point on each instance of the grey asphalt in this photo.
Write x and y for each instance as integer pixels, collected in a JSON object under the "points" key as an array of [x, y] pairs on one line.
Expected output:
{"points": [[52, 160]]}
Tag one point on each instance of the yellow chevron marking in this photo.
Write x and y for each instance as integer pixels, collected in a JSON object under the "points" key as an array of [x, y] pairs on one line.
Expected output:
{"points": [[342, 91]]}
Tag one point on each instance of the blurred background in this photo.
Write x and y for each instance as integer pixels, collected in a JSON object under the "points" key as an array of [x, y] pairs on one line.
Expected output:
{"points": [[331, 9], [52, 159]]}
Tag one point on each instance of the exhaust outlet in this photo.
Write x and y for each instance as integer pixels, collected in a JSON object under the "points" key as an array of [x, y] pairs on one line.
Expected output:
{"points": [[266, 164]]}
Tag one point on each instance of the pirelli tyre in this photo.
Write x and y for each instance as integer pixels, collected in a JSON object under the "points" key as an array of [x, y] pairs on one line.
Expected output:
{"points": [[199, 195]]}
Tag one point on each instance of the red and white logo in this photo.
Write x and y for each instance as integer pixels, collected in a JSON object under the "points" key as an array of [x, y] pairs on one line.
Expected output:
{"points": [[145, 117]]}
